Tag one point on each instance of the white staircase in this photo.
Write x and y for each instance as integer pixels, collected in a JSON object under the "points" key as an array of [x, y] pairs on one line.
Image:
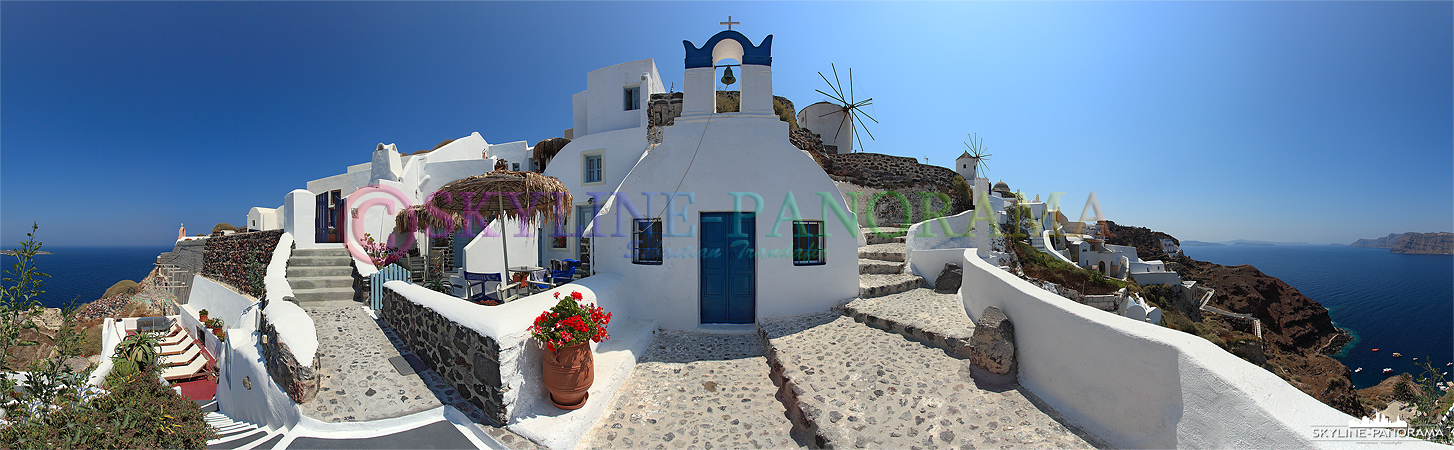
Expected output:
{"points": [[232, 434]]}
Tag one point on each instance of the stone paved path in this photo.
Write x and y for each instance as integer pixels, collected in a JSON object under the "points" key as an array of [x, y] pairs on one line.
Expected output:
{"points": [[354, 361], [857, 386], [696, 390], [357, 383], [922, 314]]}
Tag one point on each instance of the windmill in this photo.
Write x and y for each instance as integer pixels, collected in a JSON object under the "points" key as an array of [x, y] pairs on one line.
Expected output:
{"points": [[977, 157], [847, 106]]}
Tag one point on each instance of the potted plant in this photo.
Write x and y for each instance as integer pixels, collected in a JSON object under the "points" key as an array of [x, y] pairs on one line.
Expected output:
{"points": [[202, 316], [567, 330], [215, 325]]}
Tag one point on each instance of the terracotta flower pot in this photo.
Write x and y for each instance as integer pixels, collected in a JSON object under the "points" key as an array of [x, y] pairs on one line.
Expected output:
{"points": [[202, 318], [567, 374]]}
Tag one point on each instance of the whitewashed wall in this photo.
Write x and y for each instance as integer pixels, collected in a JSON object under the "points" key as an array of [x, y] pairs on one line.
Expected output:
{"points": [[1139, 385], [266, 403], [300, 207], [221, 303], [729, 160], [484, 253], [620, 150], [604, 99]]}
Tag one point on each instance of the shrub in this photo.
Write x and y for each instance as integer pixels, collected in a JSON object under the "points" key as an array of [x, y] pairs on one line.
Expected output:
{"points": [[139, 413], [126, 287], [959, 190], [223, 227]]}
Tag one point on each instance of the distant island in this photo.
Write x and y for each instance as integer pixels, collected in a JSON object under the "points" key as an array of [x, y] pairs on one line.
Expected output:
{"points": [[1437, 243], [1237, 242], [1200, 244], [12, 252]]}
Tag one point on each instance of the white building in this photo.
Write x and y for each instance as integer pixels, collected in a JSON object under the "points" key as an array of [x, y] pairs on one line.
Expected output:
{"points": [[316, 216], [692, 261], [829, 122], [609, 127]]}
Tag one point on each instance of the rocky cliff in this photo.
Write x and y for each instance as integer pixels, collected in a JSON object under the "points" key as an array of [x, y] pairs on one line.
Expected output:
{"points": [[1440, 243], [1297, 333], [1146, 241]]}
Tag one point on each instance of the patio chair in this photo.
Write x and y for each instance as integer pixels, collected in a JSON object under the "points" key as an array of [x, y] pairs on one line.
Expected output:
{"points": [[176, 349], [540, 280], [486, 292], [178, 339], [559, 277], [189, 371], [181, 359]]}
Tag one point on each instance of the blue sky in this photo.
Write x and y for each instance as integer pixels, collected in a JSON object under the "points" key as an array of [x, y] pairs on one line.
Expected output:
{"points": [[1304, 121]]}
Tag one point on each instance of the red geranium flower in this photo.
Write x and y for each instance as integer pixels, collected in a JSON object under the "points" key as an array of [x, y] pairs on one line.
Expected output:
{"points": [[570, 323]]}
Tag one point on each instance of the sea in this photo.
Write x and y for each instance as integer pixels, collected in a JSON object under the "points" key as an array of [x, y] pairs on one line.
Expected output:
{"points": [[1388, 301], [82, 274]]}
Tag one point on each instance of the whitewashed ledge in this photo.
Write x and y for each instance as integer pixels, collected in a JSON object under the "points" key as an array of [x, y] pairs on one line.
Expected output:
{"points": [[295, 327], [528, 408]]}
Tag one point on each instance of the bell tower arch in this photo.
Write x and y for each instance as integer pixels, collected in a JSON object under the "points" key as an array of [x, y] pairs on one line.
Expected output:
{"points": [[754, 74]]}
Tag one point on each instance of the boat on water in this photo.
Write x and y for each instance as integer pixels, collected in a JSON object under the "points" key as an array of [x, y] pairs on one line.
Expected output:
{"points": [[1398, 355], [1387, 370], [1360, 369], [1375, 349]]}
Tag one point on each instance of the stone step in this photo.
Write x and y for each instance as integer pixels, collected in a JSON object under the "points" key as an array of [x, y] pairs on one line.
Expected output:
{"points": [[884, 235], [323, 294], [848, 385], [319, 271], [874, 266], [321, 282], [919, 314], [316, 261], [320, 252], [883, 252], [873, 285]]}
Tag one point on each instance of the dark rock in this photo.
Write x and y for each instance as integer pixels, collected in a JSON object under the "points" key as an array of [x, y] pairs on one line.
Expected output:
{"points": [[949, 279], [993, 345]]}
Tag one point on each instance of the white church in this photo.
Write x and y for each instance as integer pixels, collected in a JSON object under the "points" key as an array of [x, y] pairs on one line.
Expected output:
{"points": [[702, 231]]}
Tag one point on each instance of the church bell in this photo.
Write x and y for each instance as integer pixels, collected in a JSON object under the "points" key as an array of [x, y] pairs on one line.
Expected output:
{"points": [[727, 77]]}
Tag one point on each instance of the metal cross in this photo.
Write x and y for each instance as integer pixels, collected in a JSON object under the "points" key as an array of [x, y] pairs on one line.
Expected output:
{"points": [[729, 23]]}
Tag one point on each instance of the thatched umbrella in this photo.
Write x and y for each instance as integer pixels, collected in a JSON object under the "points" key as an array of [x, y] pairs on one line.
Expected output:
{"points": [[545, 150], [527, 196]]}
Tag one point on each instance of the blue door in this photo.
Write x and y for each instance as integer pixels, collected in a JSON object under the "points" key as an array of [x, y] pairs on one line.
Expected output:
{"points": [[728, 267]]}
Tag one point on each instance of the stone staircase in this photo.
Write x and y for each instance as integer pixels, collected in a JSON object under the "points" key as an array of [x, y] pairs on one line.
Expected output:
{"points": [[881, 267], [322, 275]]}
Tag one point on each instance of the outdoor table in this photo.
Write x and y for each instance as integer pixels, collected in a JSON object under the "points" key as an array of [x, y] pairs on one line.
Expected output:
{"points": [[515, 286]]}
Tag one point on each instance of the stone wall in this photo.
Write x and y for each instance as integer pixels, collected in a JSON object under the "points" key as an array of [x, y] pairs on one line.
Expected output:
{"points": [[872, 173], [467, 360], [299, 381], [226, 258], [887, 171], [889, 209]]}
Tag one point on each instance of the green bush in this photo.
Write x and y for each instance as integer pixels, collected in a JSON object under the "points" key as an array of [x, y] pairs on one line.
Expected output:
{"points": [[127, 287], [138, 413], [959, 190]]}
